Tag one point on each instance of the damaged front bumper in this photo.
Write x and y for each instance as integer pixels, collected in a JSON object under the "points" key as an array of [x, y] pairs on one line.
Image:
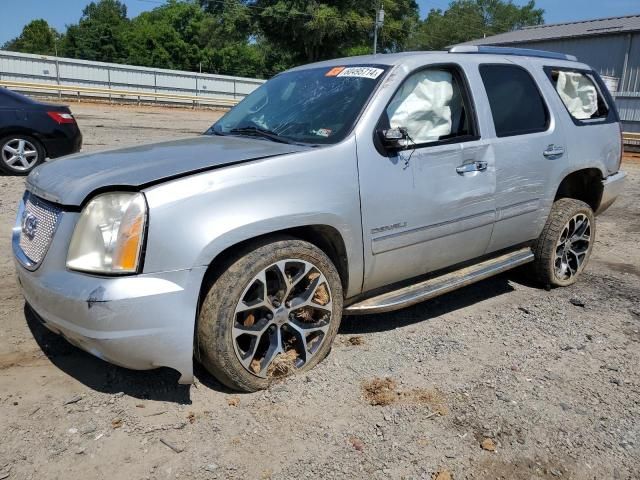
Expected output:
{"points": [[140, 322], [611, 188]]}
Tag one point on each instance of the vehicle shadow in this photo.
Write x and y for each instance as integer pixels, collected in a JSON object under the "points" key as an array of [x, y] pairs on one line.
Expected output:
{"points": [[209, 381], [162, 384], [159, 384], [447, 303]]}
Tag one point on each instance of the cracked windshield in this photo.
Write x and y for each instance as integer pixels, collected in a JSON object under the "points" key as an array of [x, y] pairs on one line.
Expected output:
{"points": [[314, 106]]}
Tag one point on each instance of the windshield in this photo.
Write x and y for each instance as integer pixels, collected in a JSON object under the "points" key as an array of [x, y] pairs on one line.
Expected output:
{"points": [[317, 106]]}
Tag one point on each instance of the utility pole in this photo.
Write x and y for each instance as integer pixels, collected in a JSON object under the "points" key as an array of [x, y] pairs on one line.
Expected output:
{"points": [[378, 24], [55, 48]]}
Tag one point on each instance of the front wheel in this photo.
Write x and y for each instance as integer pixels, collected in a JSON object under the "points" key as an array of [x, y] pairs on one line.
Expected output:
{"points": [[274, 312], [564, 246]]}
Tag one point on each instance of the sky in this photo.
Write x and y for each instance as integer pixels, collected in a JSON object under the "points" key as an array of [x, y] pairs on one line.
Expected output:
{"points": [[60, 13]]}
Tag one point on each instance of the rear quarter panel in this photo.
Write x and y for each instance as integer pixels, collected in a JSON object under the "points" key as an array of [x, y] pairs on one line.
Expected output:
{"points": [[57, 140], [588, 145], [596, 145]]}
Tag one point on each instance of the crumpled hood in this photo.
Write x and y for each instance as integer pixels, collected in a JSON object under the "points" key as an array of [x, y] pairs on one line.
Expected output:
{"points": [[69, 180]]}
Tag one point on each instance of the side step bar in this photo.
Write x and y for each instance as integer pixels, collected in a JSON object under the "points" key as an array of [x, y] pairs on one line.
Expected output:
{"points": [[433, 287]]}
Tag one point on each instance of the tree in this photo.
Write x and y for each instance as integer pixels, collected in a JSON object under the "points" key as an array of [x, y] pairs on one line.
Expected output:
{"points": [[182, 35], [36, 37], [466, 20], [229, 36], [315, 30], [228, 21], [259, 38], [400, 22], [100, 33], [166, 37]]}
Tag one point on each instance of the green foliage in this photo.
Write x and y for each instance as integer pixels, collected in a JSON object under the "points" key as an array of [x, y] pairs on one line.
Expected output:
{"points": [[400, 22], [258, 38], [100, 34], [36, 37], [167, 37], [313, 31], [466, 20]]}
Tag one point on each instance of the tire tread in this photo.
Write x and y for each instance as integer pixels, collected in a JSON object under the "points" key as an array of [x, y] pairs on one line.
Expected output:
{"points": [[544, 247], [214, 320]]}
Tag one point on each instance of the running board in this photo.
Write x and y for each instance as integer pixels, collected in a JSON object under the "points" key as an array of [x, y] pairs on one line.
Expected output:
{"points": [[433, 287]]}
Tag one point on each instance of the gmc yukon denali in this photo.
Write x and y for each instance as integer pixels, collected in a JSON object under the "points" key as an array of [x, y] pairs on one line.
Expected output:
{"points": [[351, 186]]}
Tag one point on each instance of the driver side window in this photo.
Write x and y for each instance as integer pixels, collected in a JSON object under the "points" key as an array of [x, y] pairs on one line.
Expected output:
{"points": [[431, 106]]}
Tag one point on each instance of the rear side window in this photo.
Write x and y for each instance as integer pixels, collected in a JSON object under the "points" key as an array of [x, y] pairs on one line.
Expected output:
{"points": [[516, 104], [580, 94]]}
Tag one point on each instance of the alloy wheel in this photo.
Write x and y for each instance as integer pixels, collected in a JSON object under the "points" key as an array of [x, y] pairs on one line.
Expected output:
{"points": [[19, 154], [572, 246], [282, 318]]}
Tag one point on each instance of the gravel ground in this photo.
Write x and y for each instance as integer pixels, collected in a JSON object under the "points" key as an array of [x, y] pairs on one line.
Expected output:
{"points": [[500, 380]]}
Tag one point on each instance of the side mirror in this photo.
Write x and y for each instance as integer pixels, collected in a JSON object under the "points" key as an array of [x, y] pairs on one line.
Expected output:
{"points": [[393, 138]]}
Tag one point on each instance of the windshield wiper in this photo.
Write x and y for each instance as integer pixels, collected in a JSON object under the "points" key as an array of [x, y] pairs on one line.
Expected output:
{"points": [[259, 132]]}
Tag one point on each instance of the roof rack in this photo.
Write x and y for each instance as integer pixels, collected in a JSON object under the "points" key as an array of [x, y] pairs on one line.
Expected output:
{"points": [[525, 52]]}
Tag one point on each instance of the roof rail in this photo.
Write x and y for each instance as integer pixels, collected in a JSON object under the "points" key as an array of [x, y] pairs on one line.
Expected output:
{"points": [[525, 52]]}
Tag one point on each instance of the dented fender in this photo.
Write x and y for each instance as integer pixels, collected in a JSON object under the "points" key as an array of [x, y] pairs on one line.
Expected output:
{"points": [[193, 219]]}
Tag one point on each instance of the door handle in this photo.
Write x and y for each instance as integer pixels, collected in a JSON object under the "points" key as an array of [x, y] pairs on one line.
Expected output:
{"points": [[477, 166], [554, 151]]}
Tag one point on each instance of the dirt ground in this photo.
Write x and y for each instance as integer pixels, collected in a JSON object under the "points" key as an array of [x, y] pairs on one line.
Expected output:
{"points": [[500, 380]]}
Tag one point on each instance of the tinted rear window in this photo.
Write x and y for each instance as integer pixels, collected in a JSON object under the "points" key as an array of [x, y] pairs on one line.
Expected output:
{"points": [[515, 101]]}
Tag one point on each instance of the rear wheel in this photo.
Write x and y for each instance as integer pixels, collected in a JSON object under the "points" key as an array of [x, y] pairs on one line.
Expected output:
{"points": [[19, 154], [564, 246], [274, 312]]}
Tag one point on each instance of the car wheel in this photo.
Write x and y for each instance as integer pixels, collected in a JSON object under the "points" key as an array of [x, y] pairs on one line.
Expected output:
{"points": [[273, 312], [19, 154], [564, 246]]}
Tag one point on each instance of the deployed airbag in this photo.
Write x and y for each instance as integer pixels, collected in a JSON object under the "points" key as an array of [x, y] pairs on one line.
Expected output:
{"points": [[423, 106], [578, 93]]}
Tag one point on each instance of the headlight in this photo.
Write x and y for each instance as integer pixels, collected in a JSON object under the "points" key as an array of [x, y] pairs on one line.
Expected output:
{"points": [[109, 234]]}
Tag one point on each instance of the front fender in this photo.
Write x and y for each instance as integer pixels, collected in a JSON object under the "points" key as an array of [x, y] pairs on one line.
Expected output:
{"points": [[267, 226], [194, 219]]}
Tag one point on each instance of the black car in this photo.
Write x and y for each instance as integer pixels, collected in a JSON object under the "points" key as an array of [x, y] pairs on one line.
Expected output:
{"points": [[31, 131]]}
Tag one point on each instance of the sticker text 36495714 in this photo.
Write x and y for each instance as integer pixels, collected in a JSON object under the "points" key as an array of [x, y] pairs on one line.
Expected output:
{"points": [[359, 72]]}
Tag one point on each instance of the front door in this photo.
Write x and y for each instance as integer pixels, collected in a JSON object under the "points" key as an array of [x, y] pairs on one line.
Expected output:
{"points": [[430, 205]]}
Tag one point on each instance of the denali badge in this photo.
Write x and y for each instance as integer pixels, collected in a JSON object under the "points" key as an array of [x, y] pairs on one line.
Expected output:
{"points": [[29, 225], [386, 228]]}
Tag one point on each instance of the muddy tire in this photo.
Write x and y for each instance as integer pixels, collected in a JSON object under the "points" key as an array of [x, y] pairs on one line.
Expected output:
{"points": [[274, 311], [563, 249]]}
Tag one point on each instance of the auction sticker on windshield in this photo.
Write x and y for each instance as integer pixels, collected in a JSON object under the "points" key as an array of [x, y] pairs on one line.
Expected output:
{"points": [[334, 71], [361, 72], [322, 132]]}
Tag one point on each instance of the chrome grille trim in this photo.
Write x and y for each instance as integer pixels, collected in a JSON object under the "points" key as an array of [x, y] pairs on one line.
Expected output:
{"points": [[35, 227]]}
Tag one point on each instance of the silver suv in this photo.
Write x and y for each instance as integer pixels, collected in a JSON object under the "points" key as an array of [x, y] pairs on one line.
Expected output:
{"points": [[352, 186]]}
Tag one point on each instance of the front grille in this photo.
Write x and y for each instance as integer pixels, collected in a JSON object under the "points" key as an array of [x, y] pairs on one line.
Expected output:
{"points": [[38, 224]]}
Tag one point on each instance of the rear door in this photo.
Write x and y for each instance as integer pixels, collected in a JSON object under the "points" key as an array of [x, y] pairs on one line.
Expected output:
{"points": [[528, 143]]}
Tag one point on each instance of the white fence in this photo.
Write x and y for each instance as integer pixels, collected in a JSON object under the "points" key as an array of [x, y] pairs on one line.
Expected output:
{"points": [[26, 72]]}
